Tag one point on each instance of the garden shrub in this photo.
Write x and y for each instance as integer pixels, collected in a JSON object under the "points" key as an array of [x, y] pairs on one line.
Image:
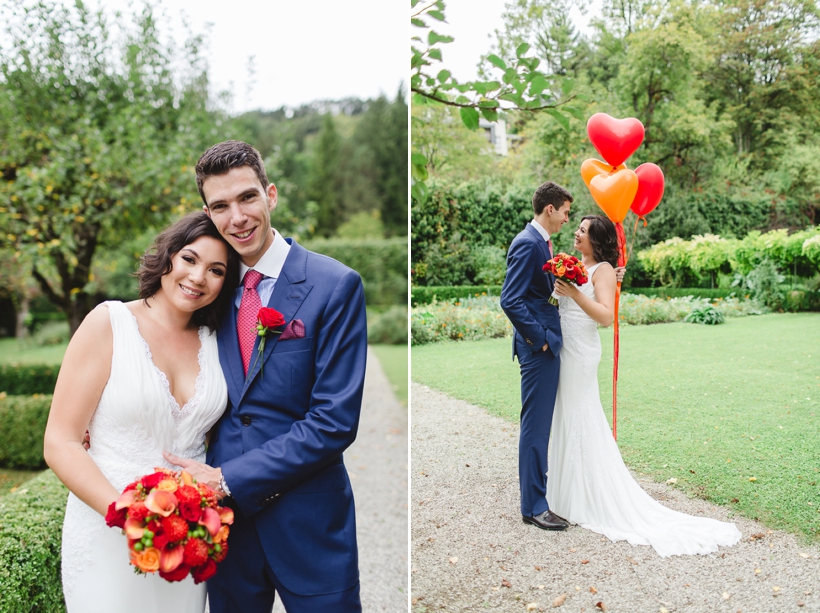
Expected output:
{"points": [[706, 314], [31, 521], [389, 327], [22, 426], [26, 379], [382, 263], [52, 333], [465, 319], [679, 292], [445, 293]]}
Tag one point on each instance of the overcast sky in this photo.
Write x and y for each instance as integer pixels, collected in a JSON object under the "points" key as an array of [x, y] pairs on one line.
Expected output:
{"points": [[473, 23], [304, 50]]}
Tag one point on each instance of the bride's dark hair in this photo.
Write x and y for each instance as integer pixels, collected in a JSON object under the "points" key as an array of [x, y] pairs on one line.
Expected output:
{"points": [[603, 238], [156, 263]]}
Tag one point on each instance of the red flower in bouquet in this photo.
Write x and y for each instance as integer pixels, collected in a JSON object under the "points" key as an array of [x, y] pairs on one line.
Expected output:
{"points": [[566, 267], [268, 321], [174, 525]]}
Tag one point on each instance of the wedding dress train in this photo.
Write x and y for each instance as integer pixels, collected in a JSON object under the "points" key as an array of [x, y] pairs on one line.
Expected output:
{"points": [[136, 419], [588, 482]]}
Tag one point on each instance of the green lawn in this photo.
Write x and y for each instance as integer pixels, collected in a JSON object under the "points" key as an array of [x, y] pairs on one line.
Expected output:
{"points": [[29, 353], [713, 406], [394, 360]]}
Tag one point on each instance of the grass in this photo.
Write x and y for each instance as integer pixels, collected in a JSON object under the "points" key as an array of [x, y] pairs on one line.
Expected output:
{"points": [[730, 411], [394, 361], [28, 353], [11, 479]]}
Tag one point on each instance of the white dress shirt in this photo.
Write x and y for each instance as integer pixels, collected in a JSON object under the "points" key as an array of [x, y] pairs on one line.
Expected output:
{"points": [[540, 229], [270, 265]]}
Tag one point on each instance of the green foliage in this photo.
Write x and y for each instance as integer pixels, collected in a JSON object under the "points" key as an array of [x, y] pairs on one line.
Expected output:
{"points": [[706, 314], [101, 128], [51, 333], [426, 295], [25, 379], [22, 426], [32, 523], [381, 263], [677, 262], [467, 319], [678, 292], [388, 327], [490, 264], [763, 283]]}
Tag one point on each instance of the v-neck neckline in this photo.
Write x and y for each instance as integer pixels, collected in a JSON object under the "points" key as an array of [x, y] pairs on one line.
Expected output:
{"points": [[175, 406]]}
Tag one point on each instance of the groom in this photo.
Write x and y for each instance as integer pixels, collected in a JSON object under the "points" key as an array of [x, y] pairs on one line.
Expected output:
{"points": [[276, 453], [537, 343]]}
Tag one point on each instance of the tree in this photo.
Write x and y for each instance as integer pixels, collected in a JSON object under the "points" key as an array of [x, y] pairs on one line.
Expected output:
{"points": [[325, 184], [99, 129]]}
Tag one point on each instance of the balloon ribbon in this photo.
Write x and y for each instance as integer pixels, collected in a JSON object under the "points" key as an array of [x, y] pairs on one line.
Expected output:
{"points": [[622, 260]]}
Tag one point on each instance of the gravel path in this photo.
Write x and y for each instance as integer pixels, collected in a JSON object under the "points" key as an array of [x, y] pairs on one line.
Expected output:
{"points": [[472, 552], [377, 464]]}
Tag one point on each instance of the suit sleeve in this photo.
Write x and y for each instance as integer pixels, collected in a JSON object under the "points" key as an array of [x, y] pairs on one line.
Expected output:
{"points": [[522, 261], [330, 425]]}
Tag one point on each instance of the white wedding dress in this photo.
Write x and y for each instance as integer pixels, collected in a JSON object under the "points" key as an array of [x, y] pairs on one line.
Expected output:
{"points": [[588, 482], [137, 418]]}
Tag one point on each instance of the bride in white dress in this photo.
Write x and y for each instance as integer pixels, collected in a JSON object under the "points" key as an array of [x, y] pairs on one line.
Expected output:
{"points": [[142, 377], [588, 482]]}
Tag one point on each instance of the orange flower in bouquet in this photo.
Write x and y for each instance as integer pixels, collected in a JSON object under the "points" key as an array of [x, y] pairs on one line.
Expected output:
{"points": [[568, 268], [175, 526]]}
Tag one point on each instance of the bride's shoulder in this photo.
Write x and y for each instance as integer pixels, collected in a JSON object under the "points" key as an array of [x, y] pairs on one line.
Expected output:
{"points": [[603, 270]]}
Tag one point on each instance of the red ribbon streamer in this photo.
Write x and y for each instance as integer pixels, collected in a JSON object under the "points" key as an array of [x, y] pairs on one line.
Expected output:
{"points": [[622, 260]]}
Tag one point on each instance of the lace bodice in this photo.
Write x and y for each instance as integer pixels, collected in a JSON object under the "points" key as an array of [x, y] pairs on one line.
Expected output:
{"points": [[579, 330], [138, 418]]}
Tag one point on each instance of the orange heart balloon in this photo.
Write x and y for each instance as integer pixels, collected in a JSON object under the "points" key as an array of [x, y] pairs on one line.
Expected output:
{"points": [[592, 168], [615, 192]]}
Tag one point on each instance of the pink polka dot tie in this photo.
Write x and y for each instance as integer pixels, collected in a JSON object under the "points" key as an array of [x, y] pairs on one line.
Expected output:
{"points": [[549, 242], [248, 315]]}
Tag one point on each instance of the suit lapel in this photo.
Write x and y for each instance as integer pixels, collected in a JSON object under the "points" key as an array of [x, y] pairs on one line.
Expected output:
{"points": [[229, 355], [542, 244], [288, 294]]}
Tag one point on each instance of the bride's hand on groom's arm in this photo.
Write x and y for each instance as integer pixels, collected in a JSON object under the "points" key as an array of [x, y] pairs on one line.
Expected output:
{"points": [[203, 473]]}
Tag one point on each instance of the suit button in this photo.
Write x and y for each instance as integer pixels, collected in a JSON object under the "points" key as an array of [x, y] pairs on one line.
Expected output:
{"points": [[246, 420]]}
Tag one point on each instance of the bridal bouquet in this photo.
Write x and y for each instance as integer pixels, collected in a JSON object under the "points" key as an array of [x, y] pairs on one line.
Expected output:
{"points": [[174, 525], [568, 268]]}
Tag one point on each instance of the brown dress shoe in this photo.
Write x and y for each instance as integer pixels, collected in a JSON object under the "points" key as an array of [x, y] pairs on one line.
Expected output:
{"points": [[547, 521]]}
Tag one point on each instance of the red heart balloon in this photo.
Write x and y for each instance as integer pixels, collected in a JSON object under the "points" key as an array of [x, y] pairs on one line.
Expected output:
{"points": [[615, 139], [650, 189]]}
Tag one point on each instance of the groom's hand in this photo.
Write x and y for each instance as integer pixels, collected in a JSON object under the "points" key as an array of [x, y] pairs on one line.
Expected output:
{"points": [[201, 472]]}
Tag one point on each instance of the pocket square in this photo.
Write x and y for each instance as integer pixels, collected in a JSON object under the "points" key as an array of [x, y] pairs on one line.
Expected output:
{"points": [[294, 329]]}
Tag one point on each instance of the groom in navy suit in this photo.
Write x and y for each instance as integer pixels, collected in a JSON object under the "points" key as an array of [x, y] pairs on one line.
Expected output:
{"points": [[536, 342], [293, 408]]}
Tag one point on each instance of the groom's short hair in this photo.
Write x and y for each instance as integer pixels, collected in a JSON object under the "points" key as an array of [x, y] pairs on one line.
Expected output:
{"points": [[228, 154], [549, 193]]}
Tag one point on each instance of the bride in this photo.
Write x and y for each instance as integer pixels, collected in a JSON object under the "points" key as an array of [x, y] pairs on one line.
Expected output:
{"points": [[588, 482], [142, 377]]}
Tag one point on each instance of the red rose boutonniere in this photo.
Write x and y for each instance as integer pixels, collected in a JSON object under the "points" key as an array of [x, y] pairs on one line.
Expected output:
{"points": [[268, 321]]}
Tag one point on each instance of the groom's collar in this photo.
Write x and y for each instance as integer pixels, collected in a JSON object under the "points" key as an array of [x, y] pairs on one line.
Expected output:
{"points": [[272, 261], [540, 229]]}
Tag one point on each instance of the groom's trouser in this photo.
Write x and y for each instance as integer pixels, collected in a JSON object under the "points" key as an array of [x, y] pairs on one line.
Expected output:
{"points": [[539, 384], [245, 582]]}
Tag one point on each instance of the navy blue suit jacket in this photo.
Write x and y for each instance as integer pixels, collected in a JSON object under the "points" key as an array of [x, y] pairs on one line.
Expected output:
{"points": [[281, 438], [526, 291]]}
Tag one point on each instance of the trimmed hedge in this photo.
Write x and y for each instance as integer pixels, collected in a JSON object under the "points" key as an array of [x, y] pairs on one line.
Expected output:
{"points": [[31, 523], [426, 295], [680, 292], [389, 327], [26, 379], [22, 426], [382, 263]]}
